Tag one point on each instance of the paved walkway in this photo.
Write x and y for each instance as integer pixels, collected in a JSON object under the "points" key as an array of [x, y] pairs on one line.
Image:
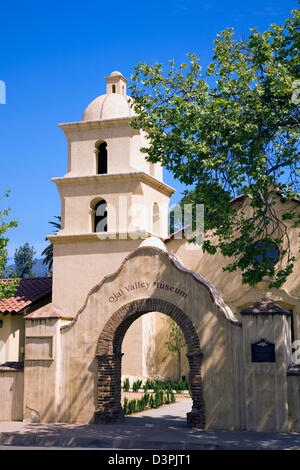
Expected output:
{"points": [[163, 428]]}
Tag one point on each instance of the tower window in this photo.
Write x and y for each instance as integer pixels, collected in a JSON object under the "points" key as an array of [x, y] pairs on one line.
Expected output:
{"points": [[102, 159], [101, 216], [113, 88]]}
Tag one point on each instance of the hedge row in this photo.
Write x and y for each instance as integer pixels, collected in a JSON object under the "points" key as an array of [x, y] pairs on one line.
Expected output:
{"points": [[155, 385], [159, 398]]}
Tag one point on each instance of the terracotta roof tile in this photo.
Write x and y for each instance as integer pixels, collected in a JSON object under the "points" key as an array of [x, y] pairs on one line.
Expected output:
{"points": [[28, 292], [49, 311]]}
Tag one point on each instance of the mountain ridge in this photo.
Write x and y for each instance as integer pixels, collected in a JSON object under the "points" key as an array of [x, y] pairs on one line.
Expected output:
{"points": [[39, 269]]}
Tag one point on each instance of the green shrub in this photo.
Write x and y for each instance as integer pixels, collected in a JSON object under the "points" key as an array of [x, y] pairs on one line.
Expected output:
{"points": [[125, 406], [146, 398], [151, 402], [143, 402], [136, 385], [181, 385], [169, 384], [159, 398], [149, 384], [132, 406], [126, 385], [168, 387], [159, 385], [173, 385]]}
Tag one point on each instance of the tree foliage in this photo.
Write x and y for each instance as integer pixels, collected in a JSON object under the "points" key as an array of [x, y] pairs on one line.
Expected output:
{"points": [[48, 251], [8, 288], [230, 129], [24, 261], [175, 342]]}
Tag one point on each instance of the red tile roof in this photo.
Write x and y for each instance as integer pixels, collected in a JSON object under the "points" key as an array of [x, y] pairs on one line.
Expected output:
{"points": [[29, 291]]}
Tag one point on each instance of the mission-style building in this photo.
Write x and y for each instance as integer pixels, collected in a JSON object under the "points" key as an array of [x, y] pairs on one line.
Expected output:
{"points": [[118, 275]]}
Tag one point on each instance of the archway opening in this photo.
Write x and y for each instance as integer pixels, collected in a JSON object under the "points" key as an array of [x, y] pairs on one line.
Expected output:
{"points": [[155, 370], [154, 349], [109, 355]]}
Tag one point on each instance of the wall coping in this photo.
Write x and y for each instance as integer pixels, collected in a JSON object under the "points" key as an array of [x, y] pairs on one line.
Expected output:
{"points": [[108, 177], [293, 369], [12, 367], [265, 306], [99, 236]]}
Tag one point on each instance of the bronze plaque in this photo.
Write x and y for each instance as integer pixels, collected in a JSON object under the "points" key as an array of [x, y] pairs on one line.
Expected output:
{"points": [[263, 351]]}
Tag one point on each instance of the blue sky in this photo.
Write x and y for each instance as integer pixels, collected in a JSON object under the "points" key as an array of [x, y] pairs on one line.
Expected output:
{"points": [[54, 57]]}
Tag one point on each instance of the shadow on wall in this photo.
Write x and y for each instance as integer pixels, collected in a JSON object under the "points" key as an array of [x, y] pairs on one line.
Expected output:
{"points": [[146, 354], [216, 335], [85, 394], [166, 365], [230, 283]]}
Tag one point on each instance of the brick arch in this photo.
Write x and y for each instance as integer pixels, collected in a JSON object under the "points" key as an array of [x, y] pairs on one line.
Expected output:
{"points": [[109, 357]]}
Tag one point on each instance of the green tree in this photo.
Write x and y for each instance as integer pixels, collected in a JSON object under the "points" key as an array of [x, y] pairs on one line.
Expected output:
{"points": [[48, 251], [175, 218], [24, 261], [175, 343], [230, 129], [8, 288]]}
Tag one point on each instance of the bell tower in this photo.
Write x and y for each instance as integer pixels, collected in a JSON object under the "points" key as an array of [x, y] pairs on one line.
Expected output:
{"points": [[111, 196]]}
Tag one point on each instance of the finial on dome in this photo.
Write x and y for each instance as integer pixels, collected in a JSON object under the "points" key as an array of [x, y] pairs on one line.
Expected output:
{"points": [[116, 83]]}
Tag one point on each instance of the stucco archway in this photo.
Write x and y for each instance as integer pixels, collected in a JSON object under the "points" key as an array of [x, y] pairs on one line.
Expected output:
{"points": [[109, 357]]}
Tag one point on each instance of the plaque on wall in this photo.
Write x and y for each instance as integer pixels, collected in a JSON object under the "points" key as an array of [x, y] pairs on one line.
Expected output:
{"points": [[263, 351]]}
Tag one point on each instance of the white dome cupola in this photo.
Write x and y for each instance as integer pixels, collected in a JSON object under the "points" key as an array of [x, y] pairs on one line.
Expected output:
{"points": [[104, 142], [114, 104]]}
